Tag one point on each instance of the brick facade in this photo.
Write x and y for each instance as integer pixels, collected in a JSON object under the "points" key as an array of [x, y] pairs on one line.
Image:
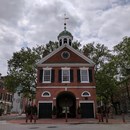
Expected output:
{"points": [[72, 92]]}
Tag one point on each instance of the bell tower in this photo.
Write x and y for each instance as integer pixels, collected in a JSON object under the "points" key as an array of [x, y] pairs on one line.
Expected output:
{"points": [[65, 37]]}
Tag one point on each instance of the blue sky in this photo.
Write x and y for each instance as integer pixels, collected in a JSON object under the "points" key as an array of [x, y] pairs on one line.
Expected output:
{"points": [[35, 22]]}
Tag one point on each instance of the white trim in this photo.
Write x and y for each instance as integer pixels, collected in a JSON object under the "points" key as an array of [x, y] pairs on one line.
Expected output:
{"points": [[84, 101], [65, 65], [65, 69], [84, 69], [67, 87], [46, 95], [44, 102], [43, 75], [63, 55], [70, 48], [89, 95], [47, 68]]}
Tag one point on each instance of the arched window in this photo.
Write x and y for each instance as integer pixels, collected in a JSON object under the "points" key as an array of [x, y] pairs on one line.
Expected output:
{"points": [[46, 94], [65, 40], [60, 42], [69, 42], [85, 94]]}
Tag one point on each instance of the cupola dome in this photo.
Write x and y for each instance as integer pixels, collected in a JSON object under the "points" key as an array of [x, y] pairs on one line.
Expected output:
{"points": [[65, 37]]}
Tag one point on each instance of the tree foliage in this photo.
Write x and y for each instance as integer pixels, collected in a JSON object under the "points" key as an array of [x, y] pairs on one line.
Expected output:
{"points": [[22, 67], [99, 53], [105, 69], [122, 51], [22, 71], [108, 64]]}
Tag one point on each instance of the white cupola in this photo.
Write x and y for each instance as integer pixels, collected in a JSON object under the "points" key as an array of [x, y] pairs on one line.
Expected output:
{"points": [[65, 37]]}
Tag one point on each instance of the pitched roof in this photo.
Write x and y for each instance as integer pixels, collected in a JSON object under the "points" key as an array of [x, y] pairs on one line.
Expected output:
{"points": [[70, 48]]}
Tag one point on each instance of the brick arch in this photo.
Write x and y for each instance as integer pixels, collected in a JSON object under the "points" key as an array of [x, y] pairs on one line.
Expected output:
{"points": [[66, 100]]}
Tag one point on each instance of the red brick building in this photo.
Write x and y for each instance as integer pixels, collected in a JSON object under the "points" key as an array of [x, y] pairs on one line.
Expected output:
{"points": [[5, 97], [66, 81]]}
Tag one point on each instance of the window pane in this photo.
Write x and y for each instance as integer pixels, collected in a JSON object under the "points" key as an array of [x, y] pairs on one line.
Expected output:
{"points": [[84, 75], [47, 74], [66, 75]]}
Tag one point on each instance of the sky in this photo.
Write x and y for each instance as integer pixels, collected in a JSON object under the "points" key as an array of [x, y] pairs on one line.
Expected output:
{"points": [[27, 23]]}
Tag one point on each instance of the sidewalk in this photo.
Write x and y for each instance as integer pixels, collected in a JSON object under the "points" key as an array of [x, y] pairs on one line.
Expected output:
{"points": [[20, 119]]}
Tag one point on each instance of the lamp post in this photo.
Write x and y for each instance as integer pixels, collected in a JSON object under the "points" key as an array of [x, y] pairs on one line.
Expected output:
{"points": [[66, 116], [32, 89]]}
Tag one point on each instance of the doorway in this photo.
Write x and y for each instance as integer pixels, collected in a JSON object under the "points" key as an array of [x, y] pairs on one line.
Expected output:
{"points": [[66, 102]]}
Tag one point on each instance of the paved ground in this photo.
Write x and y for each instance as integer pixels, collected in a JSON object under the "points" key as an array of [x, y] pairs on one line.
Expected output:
{"points": [[65, 127], [20, 119], [17, 122]]}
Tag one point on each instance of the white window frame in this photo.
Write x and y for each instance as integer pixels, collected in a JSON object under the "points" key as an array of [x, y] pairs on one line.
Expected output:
{"points": [[44, 69], [85, 95], [66, 69], [84, 69], [46, 95]]}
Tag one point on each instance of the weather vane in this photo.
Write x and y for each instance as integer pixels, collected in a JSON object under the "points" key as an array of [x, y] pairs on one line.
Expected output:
{"points": [[65, 18]]}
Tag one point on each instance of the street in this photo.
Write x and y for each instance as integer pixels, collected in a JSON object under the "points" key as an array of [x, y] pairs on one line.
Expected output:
{"points": [[8, 126]]}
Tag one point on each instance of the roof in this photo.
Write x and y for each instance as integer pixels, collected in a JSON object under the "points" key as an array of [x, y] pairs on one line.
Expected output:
{"points": [[70, 48], [65, 33]]}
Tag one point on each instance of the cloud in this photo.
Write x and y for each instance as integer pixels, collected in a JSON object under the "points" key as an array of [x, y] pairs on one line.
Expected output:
{"points": [[31, 22]]}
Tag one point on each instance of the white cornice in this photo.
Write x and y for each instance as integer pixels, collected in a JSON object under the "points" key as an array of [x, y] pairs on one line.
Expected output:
{"points": [[65, 65], [66, 87]]}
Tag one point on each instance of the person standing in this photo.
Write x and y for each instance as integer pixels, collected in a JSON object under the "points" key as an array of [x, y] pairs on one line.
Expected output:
{"points": [[27, 112], [34, 113]]}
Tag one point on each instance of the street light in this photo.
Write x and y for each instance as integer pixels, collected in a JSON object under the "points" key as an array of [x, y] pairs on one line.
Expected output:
{"points": [[66, 116], [32, 90]]}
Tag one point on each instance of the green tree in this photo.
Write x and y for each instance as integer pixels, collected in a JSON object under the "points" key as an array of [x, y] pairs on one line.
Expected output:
{"points": [[76, 45], [122, 51], [106, 69], [22, 71], [99, 53], [106, 82], [22, 67]]}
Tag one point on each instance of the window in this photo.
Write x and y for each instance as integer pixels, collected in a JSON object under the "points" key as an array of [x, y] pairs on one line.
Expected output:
{"points": [[47, 75], [60, 42], [65, 40], [85, 94], [65, 54], [84, 76], [46, 94], [65, 75], [69, 42]]}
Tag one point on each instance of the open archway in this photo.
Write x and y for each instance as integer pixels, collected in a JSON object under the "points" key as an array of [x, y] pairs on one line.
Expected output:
{"points": [[66, 101]]}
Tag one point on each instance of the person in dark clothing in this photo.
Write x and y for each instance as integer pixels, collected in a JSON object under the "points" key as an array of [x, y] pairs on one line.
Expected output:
{"points": [[34, 113], [100, 114], [28, 112]]}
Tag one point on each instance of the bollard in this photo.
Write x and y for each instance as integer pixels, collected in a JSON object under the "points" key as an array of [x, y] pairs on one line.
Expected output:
{"points": [[123, 117]]}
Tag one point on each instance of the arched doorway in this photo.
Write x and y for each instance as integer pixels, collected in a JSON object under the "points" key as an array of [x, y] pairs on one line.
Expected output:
{"points": [[66, 101]]}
